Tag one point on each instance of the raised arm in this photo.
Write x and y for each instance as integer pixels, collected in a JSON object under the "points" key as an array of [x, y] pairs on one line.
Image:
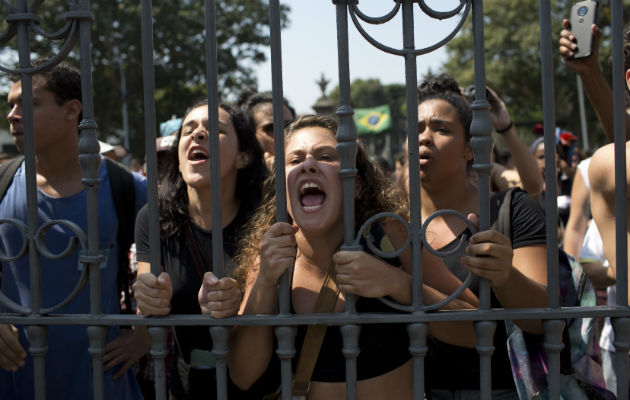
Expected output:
{"points": [[595, 85], [523, 159]]}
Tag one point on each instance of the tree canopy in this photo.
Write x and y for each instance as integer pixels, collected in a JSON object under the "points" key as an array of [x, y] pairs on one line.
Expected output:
{"points": [[179, 55], [513, 69]]}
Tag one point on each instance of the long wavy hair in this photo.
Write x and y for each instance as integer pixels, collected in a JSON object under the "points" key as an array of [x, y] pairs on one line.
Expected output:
{"points": [[173, 193], [376, 194]]}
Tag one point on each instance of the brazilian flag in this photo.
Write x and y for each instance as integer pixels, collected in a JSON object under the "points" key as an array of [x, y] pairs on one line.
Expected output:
{"points": [[372, 120]]}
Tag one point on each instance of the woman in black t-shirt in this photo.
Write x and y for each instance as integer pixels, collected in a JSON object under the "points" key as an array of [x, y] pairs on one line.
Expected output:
{"points": [[516, 269], [185, 219]]}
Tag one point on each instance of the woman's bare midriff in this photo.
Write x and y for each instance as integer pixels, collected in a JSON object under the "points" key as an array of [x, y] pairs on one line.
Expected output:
{"points": [[396, 384]]}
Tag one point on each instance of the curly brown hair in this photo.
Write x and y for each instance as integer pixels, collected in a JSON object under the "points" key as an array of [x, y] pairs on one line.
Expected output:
{"points": [[376, 194]]}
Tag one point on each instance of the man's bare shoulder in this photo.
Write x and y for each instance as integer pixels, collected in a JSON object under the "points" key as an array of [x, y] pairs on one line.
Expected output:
{"points": [[601, 171]]}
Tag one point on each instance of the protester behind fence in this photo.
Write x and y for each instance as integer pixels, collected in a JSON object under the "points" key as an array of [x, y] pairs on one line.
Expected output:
{"points": [[595, 84], [115, 152], [503, 175], [583, 241], [600, 96], [61, 195], [600, 176], [516, 268], [400, 161], [185, 218], [502, 178], [259, 110], [384, 165], [311, 242], [563, 199]]}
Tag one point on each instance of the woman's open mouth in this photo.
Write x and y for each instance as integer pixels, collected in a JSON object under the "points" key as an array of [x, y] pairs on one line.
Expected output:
{"points": [[424, 158], [198, 155], [312, 197]]}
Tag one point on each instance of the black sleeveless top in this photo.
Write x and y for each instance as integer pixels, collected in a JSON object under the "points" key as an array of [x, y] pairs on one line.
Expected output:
{"points": [[384, 347]]}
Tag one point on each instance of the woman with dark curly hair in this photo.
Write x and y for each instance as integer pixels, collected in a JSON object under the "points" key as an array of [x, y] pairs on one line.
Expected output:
{"points": [[185, 219], [516, 269], [310, 243]]}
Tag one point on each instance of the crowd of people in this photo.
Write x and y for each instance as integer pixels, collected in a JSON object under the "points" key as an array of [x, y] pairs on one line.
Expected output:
{"points": [[257, 249]]}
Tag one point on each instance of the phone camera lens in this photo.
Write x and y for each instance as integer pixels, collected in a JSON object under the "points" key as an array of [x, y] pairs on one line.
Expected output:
{"points": [[582, 11]]}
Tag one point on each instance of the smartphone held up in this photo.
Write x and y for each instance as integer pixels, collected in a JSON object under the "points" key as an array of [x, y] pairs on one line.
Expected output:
{"points": [[583, 16]]}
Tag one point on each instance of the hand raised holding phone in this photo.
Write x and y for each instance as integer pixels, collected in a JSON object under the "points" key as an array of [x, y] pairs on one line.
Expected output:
{"points": [[582, 18]]}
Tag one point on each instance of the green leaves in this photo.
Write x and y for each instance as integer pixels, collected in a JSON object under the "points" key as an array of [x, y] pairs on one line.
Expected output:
{"points": [[179, 55], [513, 69]]}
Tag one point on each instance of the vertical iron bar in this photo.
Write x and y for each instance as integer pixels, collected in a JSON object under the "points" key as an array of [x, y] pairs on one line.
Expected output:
{"points": [[417, 332], [90, 160], [29, 154], [548, 101], [285, 352], [213, 131], [125, 112], [350, 350], [621, 211], [621, 325], [554, 345], [481, 135], [278, 138], [157, 334], [220, 348], [347, 151], [481, 143], [97, 336], [583, 127], [159, 351], [418, 349], [148, 77], [37, 347], [411, 92], [485, 347], [346, 134], [284, 334], [621, 328]]}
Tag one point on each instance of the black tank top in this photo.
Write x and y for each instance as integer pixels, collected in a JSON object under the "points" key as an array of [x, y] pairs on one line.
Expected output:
{"points": [[384, 347]]}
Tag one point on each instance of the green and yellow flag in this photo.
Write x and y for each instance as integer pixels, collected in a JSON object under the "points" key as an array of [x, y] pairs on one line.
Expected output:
{"points": [[372, 120]]}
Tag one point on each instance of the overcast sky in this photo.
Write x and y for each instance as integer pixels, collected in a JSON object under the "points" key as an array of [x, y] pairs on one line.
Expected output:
{"points": [[309, 47]]}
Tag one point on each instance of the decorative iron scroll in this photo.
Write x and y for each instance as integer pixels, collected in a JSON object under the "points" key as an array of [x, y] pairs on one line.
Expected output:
{"points": [[356, 14]]}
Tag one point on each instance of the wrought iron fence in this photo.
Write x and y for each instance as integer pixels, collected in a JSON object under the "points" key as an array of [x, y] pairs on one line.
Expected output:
{"points": [[23, 21]]}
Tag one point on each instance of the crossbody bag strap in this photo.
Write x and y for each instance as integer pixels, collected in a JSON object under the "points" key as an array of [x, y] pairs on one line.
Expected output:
{"points": [[314, 338]]}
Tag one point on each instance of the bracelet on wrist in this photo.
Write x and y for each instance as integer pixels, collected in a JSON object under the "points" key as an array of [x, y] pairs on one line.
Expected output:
{"points": [[507, 128]]}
